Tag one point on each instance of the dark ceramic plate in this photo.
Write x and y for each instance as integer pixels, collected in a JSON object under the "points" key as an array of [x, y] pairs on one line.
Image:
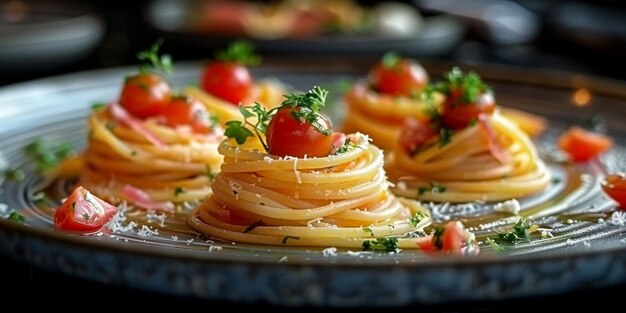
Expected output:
{"points": [[584, 242]]}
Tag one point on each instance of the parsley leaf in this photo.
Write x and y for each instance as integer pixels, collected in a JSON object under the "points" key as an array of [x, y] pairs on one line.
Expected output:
{"points": [[309, 105], [46, 156], [434, 188], [347, 146], [161, 63], [381, 244], [16, 217], [368, 230], [236, 129], [445, 136], [521, 231], [178, 191], [241, 52], [390, 60], [14, 174], [416, 219], [470, 85]]}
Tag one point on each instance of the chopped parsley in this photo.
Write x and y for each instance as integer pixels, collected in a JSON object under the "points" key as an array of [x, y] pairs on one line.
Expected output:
{"points": [[178, 191], [309, 105], [347, 146], [595, 123], [416, 219], [390, 60], [209, 173], [381, 244], [155, 62], [46, 156], [241, 52], [438, 237], [520, 231], [555, 180], [368, 230], [290, 237], [14, 174], [16, 217], [237, 130], [434, 188], [494, 245], [97, 106], [445, 136], [257, 224]]}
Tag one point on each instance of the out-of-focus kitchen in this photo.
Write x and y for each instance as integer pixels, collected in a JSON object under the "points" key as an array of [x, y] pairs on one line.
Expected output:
{"points": [[44, 38]]}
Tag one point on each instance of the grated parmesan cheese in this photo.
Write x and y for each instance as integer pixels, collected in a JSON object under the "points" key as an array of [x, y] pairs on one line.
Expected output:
{"points": [[145, 231], [214, 248], [511, 206], [618, 218], [332, 251], [175, 238], [283, 259]]}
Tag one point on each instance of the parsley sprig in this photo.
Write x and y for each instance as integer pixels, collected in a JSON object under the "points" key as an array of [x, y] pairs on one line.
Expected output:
{"points": [[470, 85], [47, 156], [241, 52], [257, 118], [155, 62]]}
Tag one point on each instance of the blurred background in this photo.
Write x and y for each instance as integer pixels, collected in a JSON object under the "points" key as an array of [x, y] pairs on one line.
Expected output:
{"points": [[48, 37]]}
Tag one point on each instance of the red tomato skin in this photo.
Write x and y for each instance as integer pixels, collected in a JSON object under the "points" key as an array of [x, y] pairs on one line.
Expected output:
{"points": [[415, 133], [227, 80], [405, 78], [458, 114], [614, 185], [77, 214], [187, 111], [287, 136], [453, 237], [145, 95], [582, 145]]}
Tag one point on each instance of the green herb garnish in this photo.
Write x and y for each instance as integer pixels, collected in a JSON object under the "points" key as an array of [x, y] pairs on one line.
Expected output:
{"points": [[178, 191], [494, 245], [390, 60], [521, 231], [48, 157], [470, 85], [14, 174], [368, 230], [16, 217], [438, 237], [161, 63], [347, 146], [257, 118], [257, 224], [445, 136], [290, 237], [241, 52], [434, 188], [416, 219], [96, 106], [381, 244]]}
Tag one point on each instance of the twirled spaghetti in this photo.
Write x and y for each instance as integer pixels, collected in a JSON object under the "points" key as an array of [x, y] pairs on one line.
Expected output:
{"points": [[177, 168], [340, 200], [491, 161], [380, 115]]}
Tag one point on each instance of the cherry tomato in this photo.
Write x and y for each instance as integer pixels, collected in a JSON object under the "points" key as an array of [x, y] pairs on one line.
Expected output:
{"points": [[415, 133], [145, 95], [83, 212], [187, 111], [227, 80], [451, 239], [458, 114], [287, 136], [614, 185], [402, 78], [582, 145]]}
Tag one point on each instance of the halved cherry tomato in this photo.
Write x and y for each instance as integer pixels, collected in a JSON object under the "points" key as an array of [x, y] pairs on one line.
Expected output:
{"points": [[403, 77], [287, 136], [459, 114], [145, 95], [614, 185], [83, 212], [582, 145], [449, 239], [227, 80], [187, 110], [415, 133]]}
